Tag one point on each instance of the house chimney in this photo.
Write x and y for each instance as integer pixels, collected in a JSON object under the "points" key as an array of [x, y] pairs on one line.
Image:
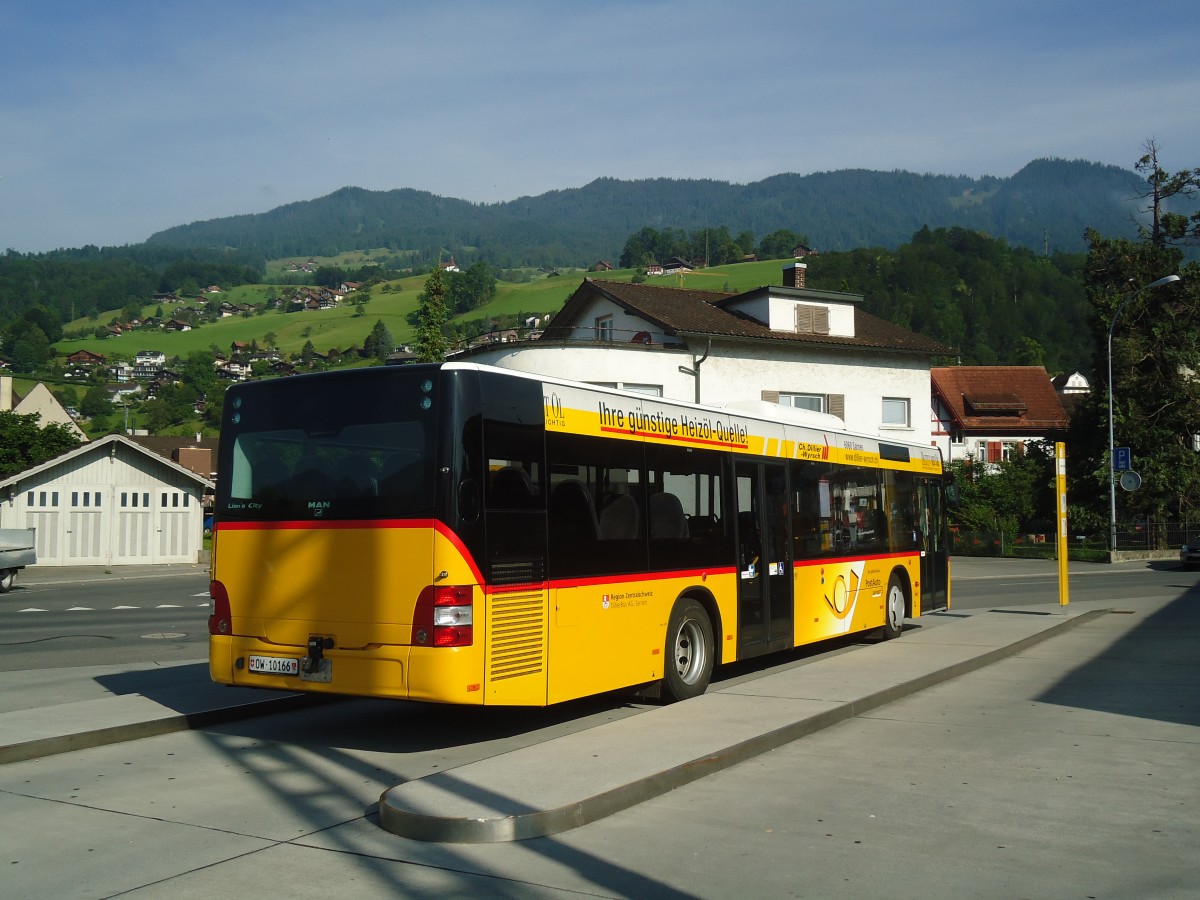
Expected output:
{"points": [[793, 275]]}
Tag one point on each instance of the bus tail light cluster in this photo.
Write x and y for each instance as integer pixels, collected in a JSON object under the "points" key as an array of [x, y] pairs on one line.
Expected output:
{"points": [[221, 620], [444, 617]]}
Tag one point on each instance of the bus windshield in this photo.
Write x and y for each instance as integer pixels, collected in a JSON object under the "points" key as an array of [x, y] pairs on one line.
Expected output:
{"points": [[334, 448]]}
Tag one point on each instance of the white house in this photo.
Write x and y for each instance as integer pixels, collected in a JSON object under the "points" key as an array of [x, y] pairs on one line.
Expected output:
{"points": [[148, 363], [110, 502], [788, 344], [39, 401]]}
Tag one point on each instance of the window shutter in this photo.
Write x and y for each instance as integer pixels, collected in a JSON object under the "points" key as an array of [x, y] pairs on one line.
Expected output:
{"points": [[812, 319], [994, 451], [770, 396], [820, 320], [836, 404], [804, 319]]}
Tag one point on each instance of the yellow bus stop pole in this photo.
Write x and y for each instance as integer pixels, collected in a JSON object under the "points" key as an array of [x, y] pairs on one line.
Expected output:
{"points": [[1060, 504]]}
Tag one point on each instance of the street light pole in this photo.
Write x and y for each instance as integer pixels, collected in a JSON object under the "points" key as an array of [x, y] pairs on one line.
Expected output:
{"points": [[1112, 462]]}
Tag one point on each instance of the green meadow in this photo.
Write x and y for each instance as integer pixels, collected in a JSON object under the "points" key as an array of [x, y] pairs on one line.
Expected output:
{"points": [[341, 328]]}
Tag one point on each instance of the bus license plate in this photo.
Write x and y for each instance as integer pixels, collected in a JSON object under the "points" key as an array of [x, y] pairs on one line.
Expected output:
{"points": [[274, 665]]}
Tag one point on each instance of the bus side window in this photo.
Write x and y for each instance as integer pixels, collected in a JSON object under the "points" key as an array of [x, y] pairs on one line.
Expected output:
{"points": [[511, 488], [684, 508], [812, 532], [667, 519]]}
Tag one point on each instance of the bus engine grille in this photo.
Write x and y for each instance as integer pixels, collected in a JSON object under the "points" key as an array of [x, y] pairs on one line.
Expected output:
{"points": [[518, 634]]}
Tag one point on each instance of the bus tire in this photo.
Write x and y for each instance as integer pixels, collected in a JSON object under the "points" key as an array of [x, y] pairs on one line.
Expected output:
{"points": [[690, 651], [894, 607]]}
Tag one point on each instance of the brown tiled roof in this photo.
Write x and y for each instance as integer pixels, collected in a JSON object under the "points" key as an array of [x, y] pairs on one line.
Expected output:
{"points": [[681, 311], [168, 445], [1000, 399]]}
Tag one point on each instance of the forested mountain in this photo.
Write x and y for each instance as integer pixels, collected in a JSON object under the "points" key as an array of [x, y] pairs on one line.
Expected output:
{"points": [[996, 304], [1046, 205], [987, 265]]}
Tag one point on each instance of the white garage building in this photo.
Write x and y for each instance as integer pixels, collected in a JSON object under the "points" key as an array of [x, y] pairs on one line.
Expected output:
{"points": [[110, 502]]}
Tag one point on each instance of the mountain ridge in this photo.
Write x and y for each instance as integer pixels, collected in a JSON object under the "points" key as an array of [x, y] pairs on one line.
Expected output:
{"points": [[1047, 204]]}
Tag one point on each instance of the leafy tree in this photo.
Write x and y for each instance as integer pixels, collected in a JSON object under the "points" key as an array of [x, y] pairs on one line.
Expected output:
{"points": [[470, 289], [96, 402], [1007, 495], [25, 443], [68, 396], [431, 319], [199, 372], [45, 320], [1161, 188], [1155, 358], [780, 244], [360, 299], [379, 343], [25, 356]]}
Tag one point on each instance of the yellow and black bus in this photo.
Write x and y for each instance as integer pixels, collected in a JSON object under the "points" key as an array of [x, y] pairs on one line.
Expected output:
{"points": [[458, 533]]}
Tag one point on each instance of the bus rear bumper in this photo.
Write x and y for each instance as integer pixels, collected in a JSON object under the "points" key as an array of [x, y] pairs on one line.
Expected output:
{"points": [[439, 675]]}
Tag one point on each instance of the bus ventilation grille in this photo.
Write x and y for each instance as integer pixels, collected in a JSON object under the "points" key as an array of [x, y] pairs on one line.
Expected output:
{"points": [[518, 634], [518, 571]]}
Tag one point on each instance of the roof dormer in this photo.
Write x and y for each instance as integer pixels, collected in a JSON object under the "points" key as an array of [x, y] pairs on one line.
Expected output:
{"points": [[794, 308]]}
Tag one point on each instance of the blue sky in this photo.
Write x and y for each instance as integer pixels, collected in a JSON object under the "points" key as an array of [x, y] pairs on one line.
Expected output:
{"points": [[120, 119]]}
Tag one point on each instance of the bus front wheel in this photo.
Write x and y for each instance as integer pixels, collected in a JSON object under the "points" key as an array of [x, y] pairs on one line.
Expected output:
{"points": [[894, 608], [690, 651]]}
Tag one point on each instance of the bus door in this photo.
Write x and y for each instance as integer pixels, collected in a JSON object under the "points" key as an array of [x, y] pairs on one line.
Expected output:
{"points": [[764, 559], [935, 549]]}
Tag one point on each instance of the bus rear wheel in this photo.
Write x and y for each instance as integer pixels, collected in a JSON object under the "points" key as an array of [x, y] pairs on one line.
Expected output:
{"points": [[690, 651], [894, 608]]}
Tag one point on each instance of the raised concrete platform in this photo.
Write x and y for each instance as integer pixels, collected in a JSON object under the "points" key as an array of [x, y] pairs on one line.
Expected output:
{"points": [[50, 711], [576, 779]]}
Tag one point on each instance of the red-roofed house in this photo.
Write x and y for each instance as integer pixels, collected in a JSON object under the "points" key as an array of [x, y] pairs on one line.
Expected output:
{"points": [[987, 413]]}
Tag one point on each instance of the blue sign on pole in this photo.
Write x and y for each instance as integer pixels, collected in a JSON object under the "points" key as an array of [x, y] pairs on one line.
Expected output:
{"points": [[1122, 459]]}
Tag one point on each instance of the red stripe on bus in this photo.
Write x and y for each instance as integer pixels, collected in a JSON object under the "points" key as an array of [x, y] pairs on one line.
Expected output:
{"points": [[832, 560], [324, 524], [641, 576], [675, 439]]}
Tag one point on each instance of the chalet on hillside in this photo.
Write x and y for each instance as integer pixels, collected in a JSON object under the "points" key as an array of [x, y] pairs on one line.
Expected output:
{"points": [[86, 358]]}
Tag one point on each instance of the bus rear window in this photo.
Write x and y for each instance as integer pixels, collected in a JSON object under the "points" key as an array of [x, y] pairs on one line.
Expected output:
{"points": [[313, 456]]}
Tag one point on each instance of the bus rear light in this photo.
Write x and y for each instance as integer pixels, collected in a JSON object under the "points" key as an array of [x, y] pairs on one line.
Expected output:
{"points": [[221, 620], [444, 616]]}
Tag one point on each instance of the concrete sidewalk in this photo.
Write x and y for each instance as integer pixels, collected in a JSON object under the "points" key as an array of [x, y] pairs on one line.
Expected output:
{"points": [[60, 710], [597, 772], [615, 766]]}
